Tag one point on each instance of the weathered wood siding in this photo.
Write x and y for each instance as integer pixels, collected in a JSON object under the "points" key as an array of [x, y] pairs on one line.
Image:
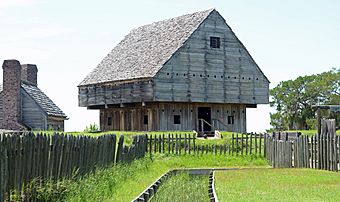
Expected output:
{"points": [[55, 123], [116, 93], [161, 117], [32, 114], [199, 73]]}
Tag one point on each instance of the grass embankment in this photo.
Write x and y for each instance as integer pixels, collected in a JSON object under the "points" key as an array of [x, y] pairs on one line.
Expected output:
{"points": [[277, 185], [184, 187], [125, 182]]}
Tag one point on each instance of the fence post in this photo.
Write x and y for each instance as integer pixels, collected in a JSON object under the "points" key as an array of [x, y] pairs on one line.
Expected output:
{"points": [[242, 144], [260, 144], [120, 149], [163, 140], [185, 143], [168, 143], [189, 143], [246, 143], [251, 144], [3, 167], [150, 144]]}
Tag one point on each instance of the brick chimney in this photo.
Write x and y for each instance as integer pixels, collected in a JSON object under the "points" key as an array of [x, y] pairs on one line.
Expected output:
{"points": [[11, 95], [29, 73]]}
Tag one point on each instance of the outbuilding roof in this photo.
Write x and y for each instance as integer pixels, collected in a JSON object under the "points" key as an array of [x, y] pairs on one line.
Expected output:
{"points": [[143, 52], [43, 100]]}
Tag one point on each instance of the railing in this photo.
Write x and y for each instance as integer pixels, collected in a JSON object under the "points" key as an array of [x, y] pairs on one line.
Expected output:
{"points": [[221, 122], [206, 122]]}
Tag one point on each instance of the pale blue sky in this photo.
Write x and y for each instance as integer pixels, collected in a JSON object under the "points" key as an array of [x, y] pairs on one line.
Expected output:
{"points": [[68, 38]]}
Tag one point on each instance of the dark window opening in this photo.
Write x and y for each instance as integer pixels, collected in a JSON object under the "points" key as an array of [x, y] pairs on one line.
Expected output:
{"points": [[214, 76], [215, 42], [176, 74], [177, 119], [146, 120], [109, 121], [230, 119], [167, 73], [200, 75]]}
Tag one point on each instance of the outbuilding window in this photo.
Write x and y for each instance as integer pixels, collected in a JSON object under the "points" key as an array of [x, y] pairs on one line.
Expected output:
{"points": [[215, 42], [230, 119], [177, 119]]}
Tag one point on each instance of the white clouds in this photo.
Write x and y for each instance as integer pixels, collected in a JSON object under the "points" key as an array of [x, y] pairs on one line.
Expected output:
{"points": [[11, 3]]}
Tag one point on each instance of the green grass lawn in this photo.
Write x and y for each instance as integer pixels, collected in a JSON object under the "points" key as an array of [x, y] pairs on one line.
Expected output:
{"points": [[125, 182], [277, 185], [183, 187]]}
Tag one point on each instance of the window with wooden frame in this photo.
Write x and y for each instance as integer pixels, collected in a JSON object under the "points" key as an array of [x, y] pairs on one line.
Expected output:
{"points": [[146, 120], [215, 42], [230, 119], [177, 119], [109, 121]]}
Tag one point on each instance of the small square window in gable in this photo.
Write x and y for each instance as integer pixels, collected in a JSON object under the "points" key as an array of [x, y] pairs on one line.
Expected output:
{"points": [[215, 42]]}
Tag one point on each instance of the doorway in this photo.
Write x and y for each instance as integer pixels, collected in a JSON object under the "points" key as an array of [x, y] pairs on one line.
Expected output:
{"points": [[204, 113]]}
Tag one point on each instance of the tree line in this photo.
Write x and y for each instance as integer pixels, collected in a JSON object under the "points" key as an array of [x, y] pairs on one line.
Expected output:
{"points": [[293, 100]]}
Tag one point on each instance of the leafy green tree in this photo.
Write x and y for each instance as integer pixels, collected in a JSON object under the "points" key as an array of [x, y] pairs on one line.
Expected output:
{"points": [[293, 99]]}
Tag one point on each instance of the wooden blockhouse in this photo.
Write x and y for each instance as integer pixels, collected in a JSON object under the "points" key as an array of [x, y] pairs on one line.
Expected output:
{"points": [[186, 73]]}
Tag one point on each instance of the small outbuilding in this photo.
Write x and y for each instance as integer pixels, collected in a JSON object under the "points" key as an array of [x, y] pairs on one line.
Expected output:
{"points": [[23, 106], [186, 73]]}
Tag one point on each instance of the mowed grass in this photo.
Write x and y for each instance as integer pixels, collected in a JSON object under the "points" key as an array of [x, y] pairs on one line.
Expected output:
{"points": [[277, 185], [183, 187], [125, 182]]}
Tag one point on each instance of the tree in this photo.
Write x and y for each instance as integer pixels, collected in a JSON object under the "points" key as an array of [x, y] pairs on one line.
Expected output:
{"points": [[293, 99]]}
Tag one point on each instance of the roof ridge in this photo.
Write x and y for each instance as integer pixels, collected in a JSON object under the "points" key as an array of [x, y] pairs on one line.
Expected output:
{"points": [[173, 18]]}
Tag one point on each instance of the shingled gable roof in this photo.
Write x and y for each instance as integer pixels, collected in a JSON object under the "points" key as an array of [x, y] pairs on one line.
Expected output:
{"points": [[43, 100], [143, 52]]}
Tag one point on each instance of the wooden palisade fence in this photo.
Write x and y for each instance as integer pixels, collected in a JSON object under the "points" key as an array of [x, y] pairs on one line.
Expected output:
{"points": [[318, 152], [239, 144], [45, 158]]}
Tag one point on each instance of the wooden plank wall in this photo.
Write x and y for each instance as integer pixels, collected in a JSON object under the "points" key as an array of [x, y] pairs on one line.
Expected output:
{"points": [[161, 117], [199, 73], [116, 93], [32, 114]]}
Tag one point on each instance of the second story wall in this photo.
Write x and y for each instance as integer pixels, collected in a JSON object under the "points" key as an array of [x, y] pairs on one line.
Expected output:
{"points": [[213, 70]]}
